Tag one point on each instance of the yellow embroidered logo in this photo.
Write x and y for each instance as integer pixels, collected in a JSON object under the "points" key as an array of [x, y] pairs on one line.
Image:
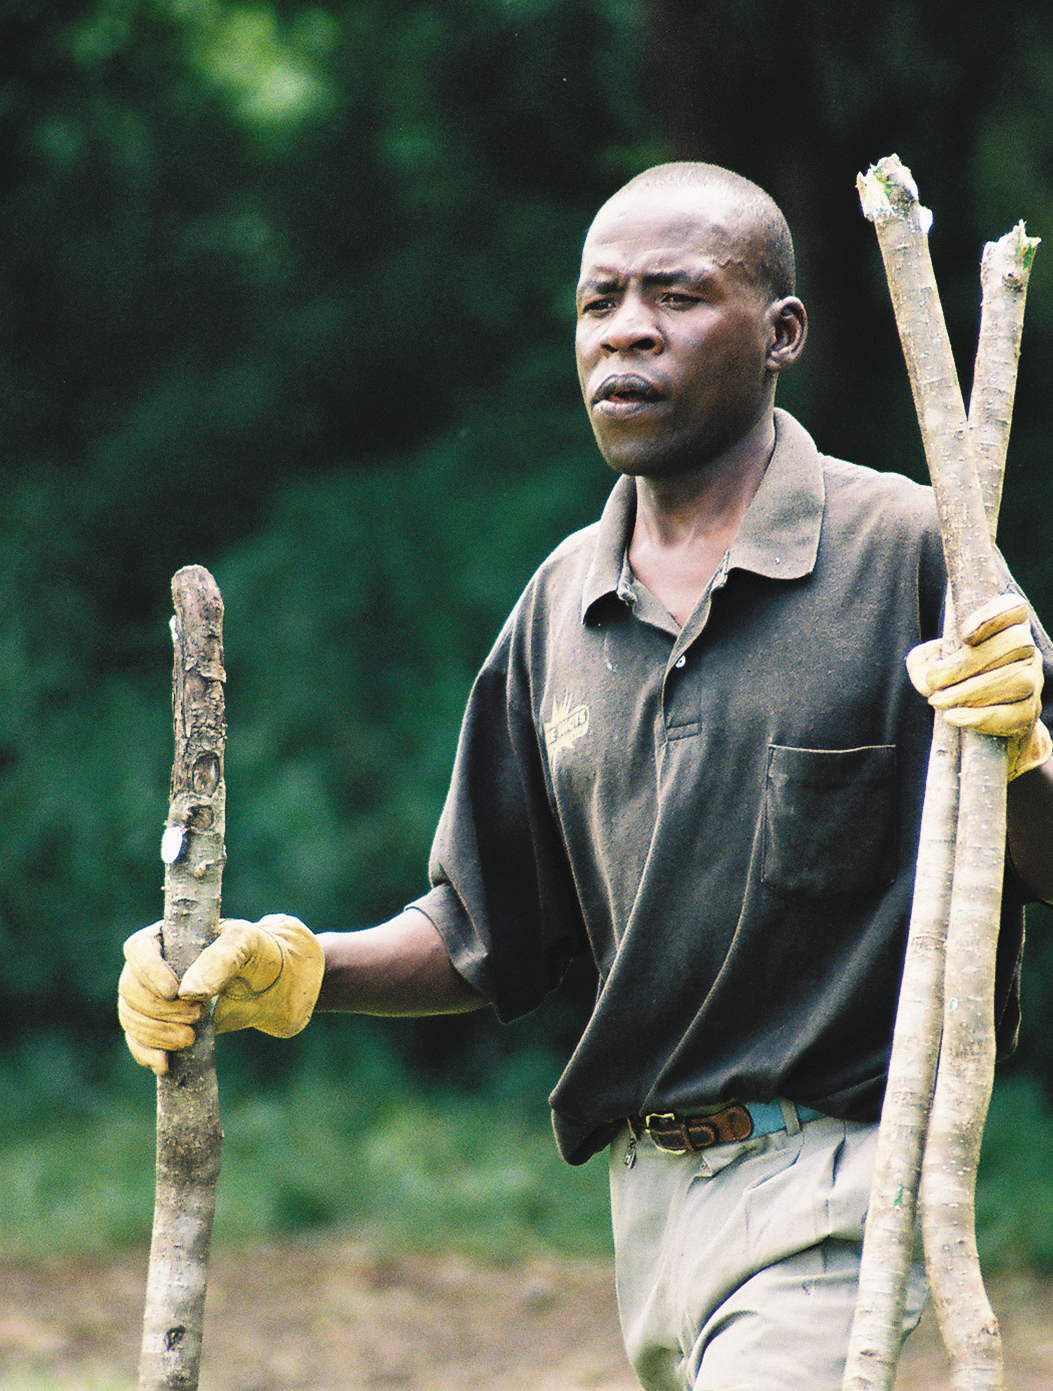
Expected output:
{"points": [[568, 724]]}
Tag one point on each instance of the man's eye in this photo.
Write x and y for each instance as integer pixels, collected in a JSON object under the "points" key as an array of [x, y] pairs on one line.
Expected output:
{"points": [[677, 299], [596, 306]]}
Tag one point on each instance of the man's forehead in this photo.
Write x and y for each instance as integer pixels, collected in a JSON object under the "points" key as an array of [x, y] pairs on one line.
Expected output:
{"points": [[660, 265], [663, 231]]}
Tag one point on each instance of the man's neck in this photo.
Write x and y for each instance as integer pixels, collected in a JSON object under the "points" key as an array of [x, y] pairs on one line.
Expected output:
{"points": [[684, 525]]}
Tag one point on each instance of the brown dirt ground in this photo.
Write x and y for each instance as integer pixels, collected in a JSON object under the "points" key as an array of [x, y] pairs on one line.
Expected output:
{"points": [[332, 1315]]}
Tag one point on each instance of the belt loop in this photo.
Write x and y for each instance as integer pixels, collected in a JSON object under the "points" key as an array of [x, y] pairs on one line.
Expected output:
{"points": [[789, 1115]]}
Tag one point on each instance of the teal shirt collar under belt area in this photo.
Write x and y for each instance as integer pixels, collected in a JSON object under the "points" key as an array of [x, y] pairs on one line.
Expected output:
{"points": [[779, 536]]}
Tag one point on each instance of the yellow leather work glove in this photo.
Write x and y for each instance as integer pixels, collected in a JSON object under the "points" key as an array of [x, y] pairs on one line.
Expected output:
{"points": [[265, 976], [992, 682]]}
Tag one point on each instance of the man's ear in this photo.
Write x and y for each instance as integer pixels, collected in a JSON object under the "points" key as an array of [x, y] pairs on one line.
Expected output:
{"points": [[789, 329]]}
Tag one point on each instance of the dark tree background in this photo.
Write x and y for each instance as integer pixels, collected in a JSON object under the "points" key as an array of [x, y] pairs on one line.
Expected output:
{"points": [[286, 290]]}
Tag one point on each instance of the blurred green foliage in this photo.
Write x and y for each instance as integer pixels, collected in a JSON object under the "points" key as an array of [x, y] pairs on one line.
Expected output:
{"points": [[286, 290], [403, 1164], [401, 1161]]}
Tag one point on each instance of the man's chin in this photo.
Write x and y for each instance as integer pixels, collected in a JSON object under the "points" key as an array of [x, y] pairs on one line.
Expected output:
{"points": [[648, 463], [671, 456]]}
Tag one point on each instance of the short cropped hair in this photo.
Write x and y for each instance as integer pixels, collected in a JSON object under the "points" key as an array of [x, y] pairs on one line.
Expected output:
{"points": [[772, 242]]}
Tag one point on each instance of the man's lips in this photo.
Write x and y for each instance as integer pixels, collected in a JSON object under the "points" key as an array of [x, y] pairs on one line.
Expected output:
{"points": [[624, 394]]}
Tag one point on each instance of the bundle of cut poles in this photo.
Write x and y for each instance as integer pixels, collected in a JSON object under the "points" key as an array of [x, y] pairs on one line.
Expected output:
{"points": [[942, 1063]]}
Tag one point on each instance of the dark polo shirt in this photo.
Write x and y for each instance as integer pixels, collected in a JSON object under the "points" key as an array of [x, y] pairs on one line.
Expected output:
{"points": [[725, 815]]}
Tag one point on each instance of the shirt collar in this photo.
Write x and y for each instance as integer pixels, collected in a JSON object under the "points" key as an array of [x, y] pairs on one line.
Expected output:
{"points": [[779, 535], [609, 572]]}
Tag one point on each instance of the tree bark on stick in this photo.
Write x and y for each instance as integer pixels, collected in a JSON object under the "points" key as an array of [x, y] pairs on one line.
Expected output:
{"points": [[966, 1070], [888, 1241], [1004, 273], [888, 1244], [188, 1135], [890, 200]]}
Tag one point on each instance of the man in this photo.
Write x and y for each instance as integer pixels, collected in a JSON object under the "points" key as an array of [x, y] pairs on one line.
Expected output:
{"points": [[693, 753]]}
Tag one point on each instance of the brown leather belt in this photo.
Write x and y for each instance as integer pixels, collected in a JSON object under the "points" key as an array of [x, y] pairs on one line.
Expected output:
{"points": [[683, 1134]]}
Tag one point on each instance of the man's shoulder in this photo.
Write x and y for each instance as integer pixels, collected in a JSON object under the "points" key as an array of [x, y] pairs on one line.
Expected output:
{"points": [[849, 491], [563, 570], [855, 489], [554, 589], [881, 482], [574, 553]]}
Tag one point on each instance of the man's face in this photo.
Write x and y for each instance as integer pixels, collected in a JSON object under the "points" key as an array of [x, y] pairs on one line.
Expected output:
{"points": [[673, 333]]}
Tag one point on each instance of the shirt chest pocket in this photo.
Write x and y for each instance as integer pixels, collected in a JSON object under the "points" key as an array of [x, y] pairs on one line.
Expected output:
{"points": [[829, 820]]}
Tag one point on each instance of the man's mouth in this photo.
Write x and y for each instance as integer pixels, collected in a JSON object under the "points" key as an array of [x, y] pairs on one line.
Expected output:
{"points": [[624, 394]]}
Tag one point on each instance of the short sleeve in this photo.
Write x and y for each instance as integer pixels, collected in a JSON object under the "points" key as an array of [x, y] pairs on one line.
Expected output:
{"points": [[502, 896]]}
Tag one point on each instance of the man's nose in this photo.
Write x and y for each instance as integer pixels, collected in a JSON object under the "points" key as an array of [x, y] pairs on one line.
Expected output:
{"points": [[631, 328]]}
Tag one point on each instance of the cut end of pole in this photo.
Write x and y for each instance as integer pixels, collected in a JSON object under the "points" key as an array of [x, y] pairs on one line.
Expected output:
{"points": [[887, 190], [1008, 261], [195, 579], [1024, 246], [1010, 258]]}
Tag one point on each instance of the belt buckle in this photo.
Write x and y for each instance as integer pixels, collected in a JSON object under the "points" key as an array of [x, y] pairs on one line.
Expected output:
{"points": [[695, 1132], [669, 1116], [677, 1123]]}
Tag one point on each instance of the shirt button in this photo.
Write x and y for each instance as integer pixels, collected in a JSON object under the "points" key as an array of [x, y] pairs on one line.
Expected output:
{"points": [[681, 661]]}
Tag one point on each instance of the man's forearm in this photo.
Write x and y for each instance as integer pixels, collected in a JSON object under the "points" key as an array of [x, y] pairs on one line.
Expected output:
{"points": [[400, 967], [1030, 811]]}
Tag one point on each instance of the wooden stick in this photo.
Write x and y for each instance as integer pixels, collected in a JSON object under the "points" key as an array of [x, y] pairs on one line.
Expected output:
{"points": [[890, 199], [188, 1134], [966, 1070], [1004, 273], [888, 1244]]}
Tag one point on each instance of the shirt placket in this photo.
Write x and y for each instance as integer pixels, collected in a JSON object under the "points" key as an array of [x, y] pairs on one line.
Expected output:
{"points": [[681, 707]]}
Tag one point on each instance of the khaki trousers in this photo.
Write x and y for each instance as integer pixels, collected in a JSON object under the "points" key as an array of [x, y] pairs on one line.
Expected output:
{"points": [[737, 1267]]}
